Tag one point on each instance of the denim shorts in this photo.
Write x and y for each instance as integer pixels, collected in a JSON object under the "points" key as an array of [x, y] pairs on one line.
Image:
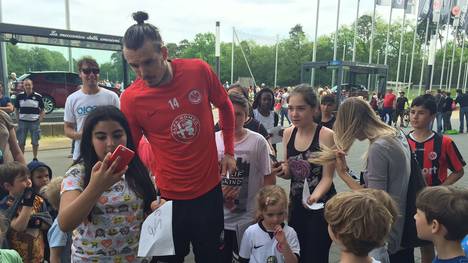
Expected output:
{"points": [[33, 127]]}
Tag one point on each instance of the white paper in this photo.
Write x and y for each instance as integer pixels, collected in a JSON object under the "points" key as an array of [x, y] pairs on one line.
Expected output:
{"points": [[305, 196], [276, 137], [156, 233]]}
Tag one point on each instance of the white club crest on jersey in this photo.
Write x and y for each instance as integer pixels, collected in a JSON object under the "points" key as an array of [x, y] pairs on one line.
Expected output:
{"points": [[194, 96], [185, 128]]}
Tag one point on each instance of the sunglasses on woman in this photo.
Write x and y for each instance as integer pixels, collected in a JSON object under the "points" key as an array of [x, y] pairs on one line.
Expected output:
{"points": [[88, 71]]}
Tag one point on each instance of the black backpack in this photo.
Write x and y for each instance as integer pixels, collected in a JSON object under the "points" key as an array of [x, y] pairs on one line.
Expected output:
{"points": [[415, 185]]}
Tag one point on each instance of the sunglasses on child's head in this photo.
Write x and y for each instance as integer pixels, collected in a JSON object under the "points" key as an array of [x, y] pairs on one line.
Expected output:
{"points": [[88, 71]]}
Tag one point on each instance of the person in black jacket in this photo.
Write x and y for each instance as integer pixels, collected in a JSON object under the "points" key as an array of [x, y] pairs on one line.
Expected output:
{"points": [[462, 100], [447, 111]]}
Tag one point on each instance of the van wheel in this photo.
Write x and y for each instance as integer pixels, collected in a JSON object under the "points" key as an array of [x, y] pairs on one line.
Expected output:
{"points": [[49, 104]]}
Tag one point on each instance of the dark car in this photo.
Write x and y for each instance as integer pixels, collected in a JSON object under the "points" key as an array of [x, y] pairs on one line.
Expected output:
{"points": [[352, 90], [54, 86], [111, 87]]}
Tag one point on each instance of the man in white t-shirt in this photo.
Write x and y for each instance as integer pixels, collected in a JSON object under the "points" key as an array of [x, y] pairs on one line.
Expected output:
{"points": [[80, 103]]}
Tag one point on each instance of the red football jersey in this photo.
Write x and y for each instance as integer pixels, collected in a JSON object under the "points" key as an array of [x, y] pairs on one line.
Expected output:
{"points": [[177, 120], [435, 155]]}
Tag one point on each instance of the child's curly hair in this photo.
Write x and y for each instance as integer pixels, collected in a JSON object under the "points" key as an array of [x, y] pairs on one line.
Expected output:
{"points": [[361, 220]]}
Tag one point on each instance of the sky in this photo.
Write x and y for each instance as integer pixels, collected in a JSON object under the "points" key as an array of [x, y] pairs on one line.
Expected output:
{"points": [[260, 20]]}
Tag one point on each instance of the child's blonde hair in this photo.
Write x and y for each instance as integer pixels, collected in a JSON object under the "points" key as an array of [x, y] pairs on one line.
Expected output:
{"points": [[52, 191], [268, 196], [360, 220]]}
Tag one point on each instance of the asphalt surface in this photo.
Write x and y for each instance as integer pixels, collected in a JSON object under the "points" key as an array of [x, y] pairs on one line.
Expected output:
{"points": [[58, 161]]}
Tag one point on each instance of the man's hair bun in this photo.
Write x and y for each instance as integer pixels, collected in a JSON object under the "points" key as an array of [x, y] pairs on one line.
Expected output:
{"points": [[140, 17]]}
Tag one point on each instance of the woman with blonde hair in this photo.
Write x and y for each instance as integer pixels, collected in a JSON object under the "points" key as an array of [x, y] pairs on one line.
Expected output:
{"points": [[387, 164]]}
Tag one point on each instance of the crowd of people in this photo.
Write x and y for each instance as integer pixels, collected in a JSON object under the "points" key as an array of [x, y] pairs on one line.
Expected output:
{"points": [[221, 178]]}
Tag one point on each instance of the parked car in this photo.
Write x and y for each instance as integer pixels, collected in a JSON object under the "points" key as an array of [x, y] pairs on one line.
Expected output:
{"points": [[352, 90], [111, 87], [54, 86]]}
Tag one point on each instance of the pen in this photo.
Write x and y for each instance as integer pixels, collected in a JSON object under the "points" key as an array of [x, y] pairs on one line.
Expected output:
{"points": [[158, 196]]}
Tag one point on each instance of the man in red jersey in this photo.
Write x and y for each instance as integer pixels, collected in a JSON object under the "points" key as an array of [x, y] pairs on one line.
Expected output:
{"points": [[170, 103]]}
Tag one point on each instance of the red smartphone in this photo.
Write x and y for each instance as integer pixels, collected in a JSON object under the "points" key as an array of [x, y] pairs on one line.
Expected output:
{"points": [[125, 154]]}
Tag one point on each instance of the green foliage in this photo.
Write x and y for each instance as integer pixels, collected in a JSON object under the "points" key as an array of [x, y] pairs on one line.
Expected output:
{"points": [[293, 51]]}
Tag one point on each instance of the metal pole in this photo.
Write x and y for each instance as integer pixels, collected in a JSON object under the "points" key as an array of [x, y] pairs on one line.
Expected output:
{"points": [[372, 34], [355, 30], [218, 51], [448, 75], [399, 51], [410, 78], [378, 57], [388, 34], [445, 51], [466, 76], [312, 73], [453, 62], [232, 57], [344, 51], [461, 60], [406, 67], [336, 40], [67, 24], [371, 44], [276, 61], [424, 58], [435, 50], [3, 61]]}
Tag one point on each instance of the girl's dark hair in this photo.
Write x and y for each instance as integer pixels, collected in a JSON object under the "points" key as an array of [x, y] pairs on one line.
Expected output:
{"points": [[258, 97], [137, 34], [137, 175], [307, 92]]}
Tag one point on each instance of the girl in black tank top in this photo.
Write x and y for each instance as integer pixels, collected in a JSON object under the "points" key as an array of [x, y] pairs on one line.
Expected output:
{"points": [[310, 225], [300, 168]]}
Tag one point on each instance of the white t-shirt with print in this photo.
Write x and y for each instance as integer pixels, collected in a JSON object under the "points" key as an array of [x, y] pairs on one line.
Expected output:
{"points": [[114, 231], [253, 163], [80, 104], [258, 245]]}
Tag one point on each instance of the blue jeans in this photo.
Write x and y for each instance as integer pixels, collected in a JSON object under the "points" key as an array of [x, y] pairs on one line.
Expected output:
{"points": [[284, 112], [439, 118], [387, 115], [463, 118]]}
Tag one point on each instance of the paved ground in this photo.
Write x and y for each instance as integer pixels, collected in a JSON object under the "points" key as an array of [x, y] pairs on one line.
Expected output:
{"points": [[54, 152]]}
